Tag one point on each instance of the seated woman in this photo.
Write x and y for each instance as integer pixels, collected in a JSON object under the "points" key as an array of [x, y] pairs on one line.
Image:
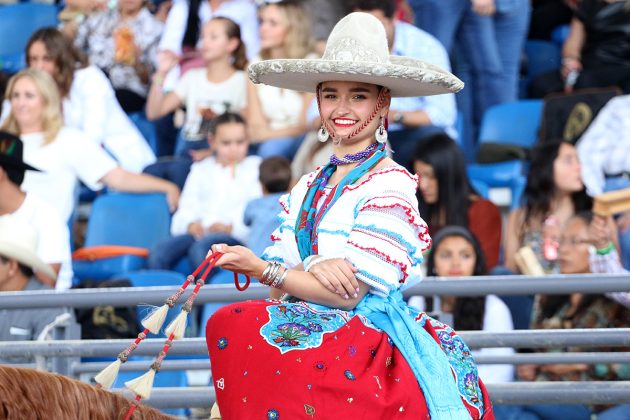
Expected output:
{"points": [[456, 252], [575, 311], [276, 116], [62, 153], [342, 342], [446, 197]]}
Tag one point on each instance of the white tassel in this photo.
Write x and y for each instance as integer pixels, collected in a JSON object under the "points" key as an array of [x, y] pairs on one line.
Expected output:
{"points": [[154, 321], [177, 327], [107, 376], [142, 385]]}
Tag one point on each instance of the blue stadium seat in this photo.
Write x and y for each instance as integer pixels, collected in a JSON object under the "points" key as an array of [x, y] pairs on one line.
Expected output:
{"points": [[127, 219], [146, 127], [509, 174], [17, 24], [541, 57]]}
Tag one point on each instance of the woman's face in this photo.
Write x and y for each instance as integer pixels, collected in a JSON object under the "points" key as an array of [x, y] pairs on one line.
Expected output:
{"points": [[215, 42], [27, 105], [573, 252], [455, 256], [427, 182], [273, 27], [39, 59], [230, 143], [567, 171], [346, 106]]}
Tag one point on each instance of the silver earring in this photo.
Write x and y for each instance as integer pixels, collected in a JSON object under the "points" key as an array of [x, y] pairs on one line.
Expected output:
{"points": [[381, 133], [322, 134]]}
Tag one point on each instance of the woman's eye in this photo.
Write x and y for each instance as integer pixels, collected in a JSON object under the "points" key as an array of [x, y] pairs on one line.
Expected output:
{"points": [[330, 96]]}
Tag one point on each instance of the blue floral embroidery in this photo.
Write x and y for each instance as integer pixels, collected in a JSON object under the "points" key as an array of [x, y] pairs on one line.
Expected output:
{"points": [[272, 414], [222, 343], [349, 375], [299, 326]]}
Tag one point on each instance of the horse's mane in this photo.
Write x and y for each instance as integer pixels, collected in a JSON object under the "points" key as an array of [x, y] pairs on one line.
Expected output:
{"points": [[31, 394]]}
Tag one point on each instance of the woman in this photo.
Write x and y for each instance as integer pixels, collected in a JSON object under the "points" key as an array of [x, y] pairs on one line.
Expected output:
{"points": [[456, 252], [89, 102], [569, 312], [554, 192], [343, 343], [276, 116], [445, 196], [123, 43], [61, 152]]}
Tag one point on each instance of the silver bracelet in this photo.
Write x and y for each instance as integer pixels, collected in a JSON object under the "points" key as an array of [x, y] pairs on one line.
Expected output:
{"points": [[278, 282]]}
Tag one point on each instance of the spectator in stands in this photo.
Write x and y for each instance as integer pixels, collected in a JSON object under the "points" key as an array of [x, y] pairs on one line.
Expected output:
{"points": [[89, 102], [61, 151], [547, 16], [413, 119], [180, 38], [76, 12], [205, 92], [486, 38], [603, 151], [53, 246], [445, 196], [214, 197], [123, 43], [574, 311], [277, 117], [456, 252], [605, 259], [595, 54], [553, 194], [18, 263], [261, 214]]}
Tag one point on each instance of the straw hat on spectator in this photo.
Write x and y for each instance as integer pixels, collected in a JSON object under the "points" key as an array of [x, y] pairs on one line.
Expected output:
{"points": [[357, 51], [18, 241]]}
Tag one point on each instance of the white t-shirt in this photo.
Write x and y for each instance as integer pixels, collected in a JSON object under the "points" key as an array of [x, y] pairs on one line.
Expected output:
{"points": [[215, 193], [66, 160], [196, 92], [53, 244], [92, 107]]}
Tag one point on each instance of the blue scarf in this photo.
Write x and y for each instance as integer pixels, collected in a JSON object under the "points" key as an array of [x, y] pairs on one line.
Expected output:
{"points": [[428, 362]]}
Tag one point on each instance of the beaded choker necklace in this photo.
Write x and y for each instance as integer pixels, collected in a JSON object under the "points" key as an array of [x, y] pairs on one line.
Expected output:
{"points": [[354, 157]]}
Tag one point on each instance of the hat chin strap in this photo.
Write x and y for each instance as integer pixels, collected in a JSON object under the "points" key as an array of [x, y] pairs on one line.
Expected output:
{"points": [[380, 101]]}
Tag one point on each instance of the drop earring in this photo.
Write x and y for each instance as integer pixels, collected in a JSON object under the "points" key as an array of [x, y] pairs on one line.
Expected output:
{"points": [[381, 133], [322, 134]]}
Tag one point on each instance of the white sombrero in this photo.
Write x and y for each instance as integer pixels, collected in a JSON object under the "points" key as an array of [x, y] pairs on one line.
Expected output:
{"points": [[357, 51], [18, 241]]}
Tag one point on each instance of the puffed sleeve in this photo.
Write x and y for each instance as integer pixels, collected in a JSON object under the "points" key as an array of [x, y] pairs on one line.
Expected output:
{"points": [[387, 241]]}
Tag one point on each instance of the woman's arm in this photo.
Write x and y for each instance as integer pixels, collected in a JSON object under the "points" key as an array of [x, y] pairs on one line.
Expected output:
{"points": [[123, 180], [512, 239], [572, 48], [159, 104], [297, 283]]}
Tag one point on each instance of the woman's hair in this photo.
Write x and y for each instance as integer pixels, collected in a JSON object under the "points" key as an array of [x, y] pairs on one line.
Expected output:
{"points": [[233, 31], [226, 118], [28, 393], [468, 312], [541, 187], [52, 120], [454, 189], [298, 42], [62, 52], [191, 33]]}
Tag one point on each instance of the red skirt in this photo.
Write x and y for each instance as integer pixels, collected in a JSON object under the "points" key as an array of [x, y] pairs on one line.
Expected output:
{"points": [[278, 360]]}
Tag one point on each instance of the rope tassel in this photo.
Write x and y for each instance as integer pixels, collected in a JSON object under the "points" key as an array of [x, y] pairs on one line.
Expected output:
{"points": [[107, 376], [177, 327], [142, 385], [154, 321]]}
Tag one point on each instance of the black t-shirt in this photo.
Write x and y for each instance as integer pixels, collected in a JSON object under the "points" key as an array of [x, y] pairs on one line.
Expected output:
{"points": [[607, 28]]}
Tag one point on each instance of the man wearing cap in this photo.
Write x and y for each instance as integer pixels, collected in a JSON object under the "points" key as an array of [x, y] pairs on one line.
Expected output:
{"points": [[54, 238], [18, 263]]}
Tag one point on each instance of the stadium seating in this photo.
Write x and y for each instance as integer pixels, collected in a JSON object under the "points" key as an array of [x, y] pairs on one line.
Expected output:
{"points": [[17, 24]]}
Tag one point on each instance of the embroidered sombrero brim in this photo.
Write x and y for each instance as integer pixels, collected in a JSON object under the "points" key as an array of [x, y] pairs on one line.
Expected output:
{"points": [[402, 75]]}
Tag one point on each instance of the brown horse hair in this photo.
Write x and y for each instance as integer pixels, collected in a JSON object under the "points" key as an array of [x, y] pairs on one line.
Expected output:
{"points": [[31, 394]]}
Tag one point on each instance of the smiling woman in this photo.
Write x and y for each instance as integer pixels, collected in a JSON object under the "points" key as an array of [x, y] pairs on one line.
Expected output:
{"points": [[341, 342]]}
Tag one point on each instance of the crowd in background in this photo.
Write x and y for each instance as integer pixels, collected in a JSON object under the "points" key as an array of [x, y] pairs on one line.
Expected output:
{"points": [[223, 149]]}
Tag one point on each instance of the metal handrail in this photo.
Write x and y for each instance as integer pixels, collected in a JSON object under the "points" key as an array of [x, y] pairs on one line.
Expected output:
{"points": [[461, 286]]}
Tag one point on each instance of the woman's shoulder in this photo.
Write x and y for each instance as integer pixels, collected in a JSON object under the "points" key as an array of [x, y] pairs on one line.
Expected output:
{"points": [[392, 177]]}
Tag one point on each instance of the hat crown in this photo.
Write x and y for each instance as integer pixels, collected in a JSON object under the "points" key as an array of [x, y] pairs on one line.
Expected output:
{"points": [[358, 37], [11, 146], [17, 233]]}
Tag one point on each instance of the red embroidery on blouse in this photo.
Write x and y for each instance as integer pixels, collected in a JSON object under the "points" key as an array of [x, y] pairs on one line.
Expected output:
{"points": [[385, 257]]}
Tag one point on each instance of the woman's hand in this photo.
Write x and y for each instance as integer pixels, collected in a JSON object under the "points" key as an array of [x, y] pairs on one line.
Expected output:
{"points": [[484, 7], [526, 372], [239, 259], [166, 60], [196, 230], [599, 232], [337, 275]]}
